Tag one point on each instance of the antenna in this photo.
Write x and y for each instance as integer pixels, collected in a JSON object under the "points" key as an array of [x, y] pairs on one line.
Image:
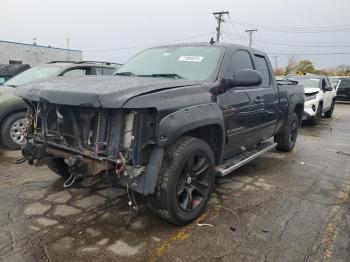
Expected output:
{"points": [[68, 40]]}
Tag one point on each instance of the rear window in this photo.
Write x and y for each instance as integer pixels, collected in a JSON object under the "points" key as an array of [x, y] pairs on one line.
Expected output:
{"points": [[261, 67]]}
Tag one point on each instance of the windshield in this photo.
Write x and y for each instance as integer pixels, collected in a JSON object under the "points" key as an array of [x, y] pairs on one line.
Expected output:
{"points": [[190, 62], [32, 74], [306, 82]]}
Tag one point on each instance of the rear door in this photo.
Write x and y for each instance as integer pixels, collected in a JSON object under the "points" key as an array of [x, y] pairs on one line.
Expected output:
{"points": [[243, 108], [269, 95]]}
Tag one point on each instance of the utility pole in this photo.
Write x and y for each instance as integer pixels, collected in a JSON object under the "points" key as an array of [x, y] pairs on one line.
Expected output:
{"points": [[250, 31], [218, 16], [275, 57]]}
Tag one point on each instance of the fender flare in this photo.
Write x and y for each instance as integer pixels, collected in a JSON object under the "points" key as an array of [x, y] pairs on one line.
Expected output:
{"points": [[294, 101], [179, 122]]}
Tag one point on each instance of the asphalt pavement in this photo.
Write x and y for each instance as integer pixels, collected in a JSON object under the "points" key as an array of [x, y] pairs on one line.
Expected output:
{"points": [[280, 207]]}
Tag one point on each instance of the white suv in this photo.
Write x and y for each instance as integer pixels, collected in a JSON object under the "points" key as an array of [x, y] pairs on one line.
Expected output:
{"points": [[319, 96]]}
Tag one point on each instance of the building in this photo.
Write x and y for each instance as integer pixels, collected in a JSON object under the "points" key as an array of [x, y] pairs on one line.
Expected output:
{"points": [[32, 54]]}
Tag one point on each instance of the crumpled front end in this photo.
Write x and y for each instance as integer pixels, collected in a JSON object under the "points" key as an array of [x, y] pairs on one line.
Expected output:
{"points": [[92, 141], [312, 101]]}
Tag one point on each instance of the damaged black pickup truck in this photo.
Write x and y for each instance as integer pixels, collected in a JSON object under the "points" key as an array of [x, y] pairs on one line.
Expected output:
{"points": [[170, 120]]}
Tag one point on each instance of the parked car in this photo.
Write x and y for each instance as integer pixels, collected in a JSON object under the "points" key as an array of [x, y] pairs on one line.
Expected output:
{"points": [[319, 96], [170, 120], [13, 108], [9, 71], [342, 85]]}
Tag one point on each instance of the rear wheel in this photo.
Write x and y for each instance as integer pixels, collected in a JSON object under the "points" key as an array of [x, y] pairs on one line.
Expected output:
{"points": [[185, 181], [316, 119], [329, 113], [286, 140], [12, 131]]}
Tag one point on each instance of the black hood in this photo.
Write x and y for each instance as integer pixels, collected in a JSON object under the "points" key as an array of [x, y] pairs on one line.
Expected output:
{"points": [[96, 91]]}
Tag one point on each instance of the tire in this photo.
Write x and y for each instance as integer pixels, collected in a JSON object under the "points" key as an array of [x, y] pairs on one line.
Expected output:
{"points": [[12, 131], [316, 119], [286, 140], [185, 181], [59, 167], [329, 113]]}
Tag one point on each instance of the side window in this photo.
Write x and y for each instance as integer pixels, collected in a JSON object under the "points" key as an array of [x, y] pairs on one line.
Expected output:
{"points": [[76, 72], [241, 60], [98, 70], [262, 68], [108, 71], [328, 83], [15, 62], [344, 83]]}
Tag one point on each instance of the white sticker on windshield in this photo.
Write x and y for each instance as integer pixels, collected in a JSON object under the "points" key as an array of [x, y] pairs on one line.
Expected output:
{"points": [[191, 58]]}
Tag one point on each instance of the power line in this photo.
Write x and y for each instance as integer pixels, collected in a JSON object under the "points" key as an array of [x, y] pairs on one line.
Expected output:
{"points": [[261, 41], [318, 29], [235, 37], [274, 42], [335, 53], [287, 54], [234, 28], [151, 44], [300, 45]]}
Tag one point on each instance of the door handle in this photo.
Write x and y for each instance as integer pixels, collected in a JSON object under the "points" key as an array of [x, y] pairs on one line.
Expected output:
{"points": [[258, 99]]}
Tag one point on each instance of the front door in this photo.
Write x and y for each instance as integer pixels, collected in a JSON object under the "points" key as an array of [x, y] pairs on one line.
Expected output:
{"points": [[327, 95], [243, 109]]}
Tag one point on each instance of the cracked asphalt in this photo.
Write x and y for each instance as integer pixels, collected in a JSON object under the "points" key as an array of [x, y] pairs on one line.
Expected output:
{"points": [[279, 207]]}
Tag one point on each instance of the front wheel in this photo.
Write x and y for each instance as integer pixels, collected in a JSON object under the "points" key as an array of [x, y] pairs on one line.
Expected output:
{"points": [[286, 140], [13, 130], [185, 181], [315, 120]]}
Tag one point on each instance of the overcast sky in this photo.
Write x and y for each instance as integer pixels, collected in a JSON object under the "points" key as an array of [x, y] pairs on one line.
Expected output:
{"points": [[111, 24]]}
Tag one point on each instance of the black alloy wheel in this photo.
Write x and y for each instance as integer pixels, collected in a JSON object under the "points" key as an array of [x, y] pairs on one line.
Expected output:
{"points": [[185, 181], [293, 132], [193, 184]]}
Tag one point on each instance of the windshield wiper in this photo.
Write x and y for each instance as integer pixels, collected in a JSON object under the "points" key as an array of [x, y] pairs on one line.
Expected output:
{"points": [[165, 75], [125, 74], [10, 85]]}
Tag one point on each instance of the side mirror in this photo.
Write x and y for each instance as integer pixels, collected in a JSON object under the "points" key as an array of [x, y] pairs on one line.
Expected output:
{"points": [[328, 88], [246, 77]]}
